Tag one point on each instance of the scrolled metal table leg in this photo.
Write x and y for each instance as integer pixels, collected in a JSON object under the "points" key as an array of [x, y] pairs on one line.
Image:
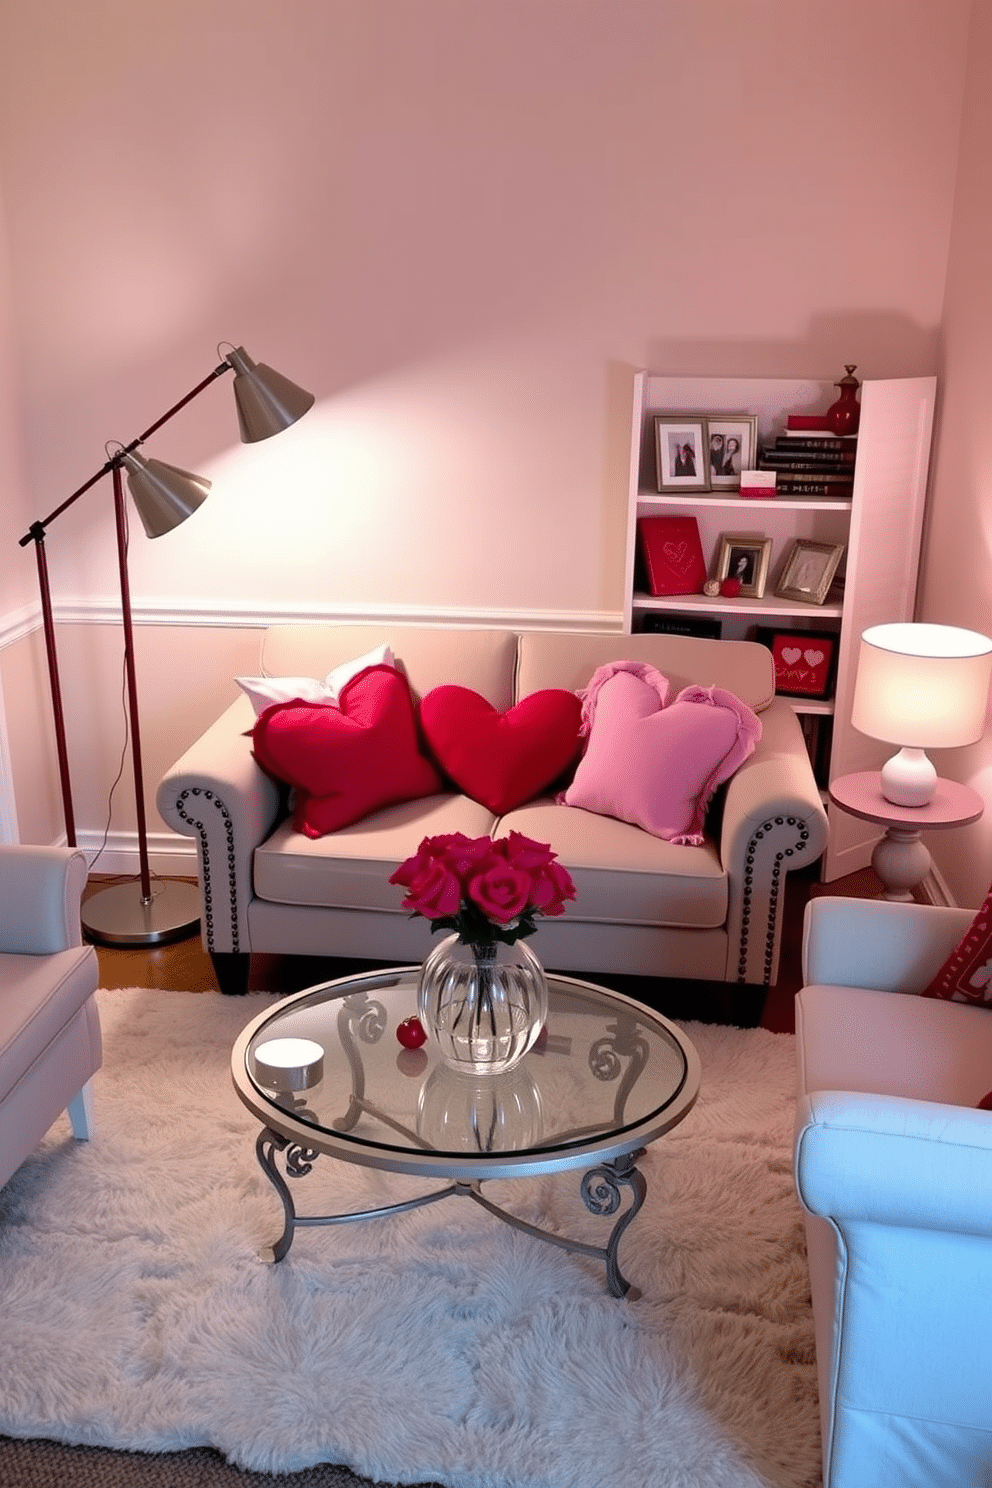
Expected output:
{"points": [[299, 1161], [601, 1195]]}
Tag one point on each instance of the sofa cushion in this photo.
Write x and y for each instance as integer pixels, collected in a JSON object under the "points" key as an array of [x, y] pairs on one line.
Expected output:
{"points": [[625, 876], [350, 868], [622, 875], [569, 659], [654, 765], [966, 975], [429, 656], [346, 761], [501, 759]]}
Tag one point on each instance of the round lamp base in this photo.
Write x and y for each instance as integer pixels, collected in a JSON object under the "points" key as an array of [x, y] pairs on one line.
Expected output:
{"points": [[909, 778], [118, 916]]}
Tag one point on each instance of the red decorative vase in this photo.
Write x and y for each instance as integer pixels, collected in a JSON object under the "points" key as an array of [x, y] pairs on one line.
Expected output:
{"points": [[844, 416]]}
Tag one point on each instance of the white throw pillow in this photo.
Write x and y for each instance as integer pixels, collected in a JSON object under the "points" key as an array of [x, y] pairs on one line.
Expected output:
{"points": [[264, 691]]}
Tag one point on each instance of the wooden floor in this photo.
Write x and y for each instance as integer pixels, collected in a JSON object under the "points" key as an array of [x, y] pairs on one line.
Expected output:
{"points": [[185, 966]]}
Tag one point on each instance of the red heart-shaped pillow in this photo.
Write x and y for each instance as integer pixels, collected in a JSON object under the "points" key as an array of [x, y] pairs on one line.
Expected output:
{"points": [[348, 760], [501, 759]]}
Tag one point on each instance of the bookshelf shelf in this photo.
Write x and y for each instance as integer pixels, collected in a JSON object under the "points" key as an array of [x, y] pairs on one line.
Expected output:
{"points": [[751, 503], [726, 609]]}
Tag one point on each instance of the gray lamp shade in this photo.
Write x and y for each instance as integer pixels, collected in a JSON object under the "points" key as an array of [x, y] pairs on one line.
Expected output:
{"points": [[267, 401], [163, 494]]}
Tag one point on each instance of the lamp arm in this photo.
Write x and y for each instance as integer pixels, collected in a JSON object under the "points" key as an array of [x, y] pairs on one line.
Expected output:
{"points": [[37, 530]]}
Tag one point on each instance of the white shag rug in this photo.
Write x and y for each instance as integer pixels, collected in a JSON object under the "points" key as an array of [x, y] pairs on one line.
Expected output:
{"points": [[439, 1345]]}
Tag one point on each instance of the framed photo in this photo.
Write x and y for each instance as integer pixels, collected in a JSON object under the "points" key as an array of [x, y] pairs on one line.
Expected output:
{"points": [[745, 558], [680, 452], [809, 571], [805, 660], [731, 446]]}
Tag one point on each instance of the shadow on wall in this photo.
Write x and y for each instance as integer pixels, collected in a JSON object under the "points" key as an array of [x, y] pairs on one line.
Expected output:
{"points": [[882, 343]]}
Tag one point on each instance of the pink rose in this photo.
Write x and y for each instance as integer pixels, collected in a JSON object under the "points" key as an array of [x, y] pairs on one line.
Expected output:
{"points": [[413, 867], [501, 892], [550, 887], [466, 857], [499, 879], [524, 852], [434, 892]]}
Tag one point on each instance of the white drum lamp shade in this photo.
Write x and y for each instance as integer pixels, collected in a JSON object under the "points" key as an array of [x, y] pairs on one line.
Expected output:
{"points": [[921, 687]]}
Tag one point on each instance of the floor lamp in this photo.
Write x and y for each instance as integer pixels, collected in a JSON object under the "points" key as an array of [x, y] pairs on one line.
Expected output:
{"points": [[136, 912]]}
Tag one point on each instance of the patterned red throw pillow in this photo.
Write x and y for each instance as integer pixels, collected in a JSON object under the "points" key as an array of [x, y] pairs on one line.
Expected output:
{"points": [[966, 975]]}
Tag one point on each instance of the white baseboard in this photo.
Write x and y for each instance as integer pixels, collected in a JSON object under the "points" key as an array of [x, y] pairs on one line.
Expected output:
{"points": [[934, 890], [168, 856]]}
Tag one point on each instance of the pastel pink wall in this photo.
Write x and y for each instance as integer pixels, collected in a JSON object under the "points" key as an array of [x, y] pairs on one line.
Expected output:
{"points": [[957, 571], [462, 223]]}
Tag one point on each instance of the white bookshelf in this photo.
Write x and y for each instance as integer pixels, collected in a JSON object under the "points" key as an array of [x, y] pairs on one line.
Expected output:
{"points": [[880, 527]]}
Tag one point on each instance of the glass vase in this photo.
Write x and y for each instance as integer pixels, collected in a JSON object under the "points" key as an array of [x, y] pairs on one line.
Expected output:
{"points": [[483, 1006], [463, 1111]]}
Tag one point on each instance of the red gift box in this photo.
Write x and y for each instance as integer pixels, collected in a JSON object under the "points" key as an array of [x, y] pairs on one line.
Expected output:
{"points": [[671, 555]]}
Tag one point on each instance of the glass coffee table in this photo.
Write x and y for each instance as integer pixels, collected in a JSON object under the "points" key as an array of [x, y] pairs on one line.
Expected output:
{"points": [[325, 1075]]}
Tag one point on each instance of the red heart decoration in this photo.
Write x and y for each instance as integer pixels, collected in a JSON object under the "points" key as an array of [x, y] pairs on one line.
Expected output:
{"points": [[501, 759], [348, 760]]}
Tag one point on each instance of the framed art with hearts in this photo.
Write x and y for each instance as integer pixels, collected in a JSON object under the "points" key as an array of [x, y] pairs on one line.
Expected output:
{"points": [[805, 661]]}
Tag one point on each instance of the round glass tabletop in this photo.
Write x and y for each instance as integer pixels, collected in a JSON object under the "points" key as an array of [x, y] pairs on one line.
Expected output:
{"points": [[606, 1076]]}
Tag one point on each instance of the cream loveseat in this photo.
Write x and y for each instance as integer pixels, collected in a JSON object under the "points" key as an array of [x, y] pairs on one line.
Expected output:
{"points": [[644, 906]]}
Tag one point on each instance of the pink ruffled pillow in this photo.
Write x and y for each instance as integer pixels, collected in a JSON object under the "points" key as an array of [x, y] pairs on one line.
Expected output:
{"points": [[654, 763]]}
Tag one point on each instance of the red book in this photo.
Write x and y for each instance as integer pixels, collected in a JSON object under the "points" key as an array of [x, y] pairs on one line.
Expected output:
{"points": [[671, 554], [814, 421]]}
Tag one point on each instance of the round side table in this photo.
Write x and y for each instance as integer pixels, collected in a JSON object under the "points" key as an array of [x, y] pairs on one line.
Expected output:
{"points": [[901, 859]]}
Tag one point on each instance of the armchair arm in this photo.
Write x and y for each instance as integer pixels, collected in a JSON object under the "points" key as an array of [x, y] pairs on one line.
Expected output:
{"points": [[773, 821], [893, 1161], [218, 794], [878, 943], [40, 893]]}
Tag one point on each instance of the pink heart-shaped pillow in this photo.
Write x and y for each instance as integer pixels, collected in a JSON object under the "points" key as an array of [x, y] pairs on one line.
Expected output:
{"points": [[501, 759], [348, 760], [654, 765]]}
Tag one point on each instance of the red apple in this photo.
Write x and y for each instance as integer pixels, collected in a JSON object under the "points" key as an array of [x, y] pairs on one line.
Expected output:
{"points": [[411, 1033], [730, 588]]}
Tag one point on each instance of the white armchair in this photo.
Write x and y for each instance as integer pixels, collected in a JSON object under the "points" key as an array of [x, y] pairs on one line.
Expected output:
{"points": [[49, 1026], [893, 1165]]}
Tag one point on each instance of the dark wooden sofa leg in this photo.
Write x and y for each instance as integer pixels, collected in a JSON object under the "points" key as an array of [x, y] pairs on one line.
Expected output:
{"points": [[231, 970]]}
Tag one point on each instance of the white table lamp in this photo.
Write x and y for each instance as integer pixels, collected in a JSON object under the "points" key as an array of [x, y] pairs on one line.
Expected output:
{"points": [[921, 687]]}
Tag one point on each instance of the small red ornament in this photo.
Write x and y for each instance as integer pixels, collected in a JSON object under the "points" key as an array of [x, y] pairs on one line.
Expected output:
{"points": [[411, 1033], [730, 588]]}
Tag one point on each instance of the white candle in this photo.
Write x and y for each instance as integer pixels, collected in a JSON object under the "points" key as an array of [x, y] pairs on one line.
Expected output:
{"points": [[289, 1063]]}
